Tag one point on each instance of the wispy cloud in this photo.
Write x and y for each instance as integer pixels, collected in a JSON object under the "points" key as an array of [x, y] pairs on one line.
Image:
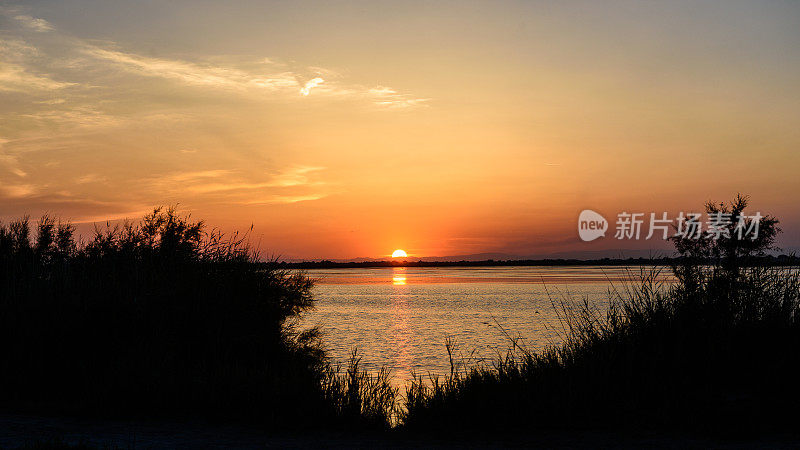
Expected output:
{"points": [[292, 177], [10, 162], [20, 201], [32, 64], [285, 186], [197, 175], [17, 78], [79, 97], [284, 199], [310, 84], [16, 73], [77, 116], [236, 79], [13, 191], [390, 98], [12, 165], [35, 24], [191, 73], [90, 178]]}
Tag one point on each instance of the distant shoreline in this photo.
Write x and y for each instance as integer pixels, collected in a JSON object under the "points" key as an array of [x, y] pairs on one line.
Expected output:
{"points": [[778, 261]]}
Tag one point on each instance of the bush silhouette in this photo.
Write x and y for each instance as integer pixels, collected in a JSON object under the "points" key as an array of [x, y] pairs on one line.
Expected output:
{"points": [[157, 317], [715, 351]]}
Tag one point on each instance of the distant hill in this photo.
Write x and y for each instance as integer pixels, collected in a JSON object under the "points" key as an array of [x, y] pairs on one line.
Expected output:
{"points": [[780, 260], [584, 256]]}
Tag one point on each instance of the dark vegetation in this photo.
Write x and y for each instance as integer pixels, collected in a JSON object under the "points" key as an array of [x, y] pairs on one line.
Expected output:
{"points": [[161, 318], [718, 351]]}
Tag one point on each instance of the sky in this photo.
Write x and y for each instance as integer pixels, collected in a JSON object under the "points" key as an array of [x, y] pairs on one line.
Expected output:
{"points": [[349, 129]]}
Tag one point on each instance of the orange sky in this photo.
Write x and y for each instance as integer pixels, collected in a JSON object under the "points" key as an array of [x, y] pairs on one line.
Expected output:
{"points": [[443, 128]]}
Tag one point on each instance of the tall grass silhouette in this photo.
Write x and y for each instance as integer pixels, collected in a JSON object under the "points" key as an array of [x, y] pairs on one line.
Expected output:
{"points": [[719, 349], [160, 317]]}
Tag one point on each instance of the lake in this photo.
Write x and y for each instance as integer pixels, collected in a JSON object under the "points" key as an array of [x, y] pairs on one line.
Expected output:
{"points": [[402, 317]]}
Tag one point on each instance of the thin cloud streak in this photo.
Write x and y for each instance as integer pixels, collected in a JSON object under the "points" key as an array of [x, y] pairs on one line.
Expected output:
{"points": [[191, 73], [231, 78], [17, 78], [286, 186], [285, 199], [13, 191], [23, 72], [10, 162], [388, 97], [293, 177]]}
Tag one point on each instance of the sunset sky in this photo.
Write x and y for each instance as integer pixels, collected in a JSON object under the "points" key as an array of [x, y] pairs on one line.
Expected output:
{"points": [[350, 129]]}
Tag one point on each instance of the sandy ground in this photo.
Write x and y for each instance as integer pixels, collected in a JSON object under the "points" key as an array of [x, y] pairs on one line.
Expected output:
{"points": [[18, 430]]}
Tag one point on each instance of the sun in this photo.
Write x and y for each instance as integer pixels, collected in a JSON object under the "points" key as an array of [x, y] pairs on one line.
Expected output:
{"points": [[399, 254]]}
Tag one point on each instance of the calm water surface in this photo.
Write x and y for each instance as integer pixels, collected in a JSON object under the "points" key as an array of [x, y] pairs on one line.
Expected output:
{"points": [[401, 317]]}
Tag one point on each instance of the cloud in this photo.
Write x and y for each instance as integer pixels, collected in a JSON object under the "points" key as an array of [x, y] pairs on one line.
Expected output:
{"points": [[284, 199], [10, 162], [231, 78], [402, 102], [77, 117], [52, 61], [90, 178], [54, 101], [12, 165], [131, 214], [38, 25], [12, 191], [390, 98], [104, 100], [310, 84], [293, 177], [16, 50], [17, 75], [82, 209], [191, 73], [17, 78], [290, 185]]}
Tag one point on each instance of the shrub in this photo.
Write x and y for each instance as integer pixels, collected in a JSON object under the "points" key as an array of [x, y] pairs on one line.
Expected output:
{"points": [[157, 317], [716, 350]]}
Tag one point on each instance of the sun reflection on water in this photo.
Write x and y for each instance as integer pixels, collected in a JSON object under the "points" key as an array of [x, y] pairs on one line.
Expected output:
{"points": [[399, 276], [400, 334]]}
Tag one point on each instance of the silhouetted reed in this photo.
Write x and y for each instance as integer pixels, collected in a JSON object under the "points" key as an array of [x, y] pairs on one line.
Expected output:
{"points": [[719, 349], [361, 398], [701, 355], [159, 318]]}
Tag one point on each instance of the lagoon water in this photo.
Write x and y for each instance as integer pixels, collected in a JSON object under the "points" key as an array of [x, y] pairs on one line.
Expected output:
{"points": [[401, 317]]}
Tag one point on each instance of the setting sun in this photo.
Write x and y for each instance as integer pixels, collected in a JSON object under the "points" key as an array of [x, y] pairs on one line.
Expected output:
{"points": [[399, 254]]}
